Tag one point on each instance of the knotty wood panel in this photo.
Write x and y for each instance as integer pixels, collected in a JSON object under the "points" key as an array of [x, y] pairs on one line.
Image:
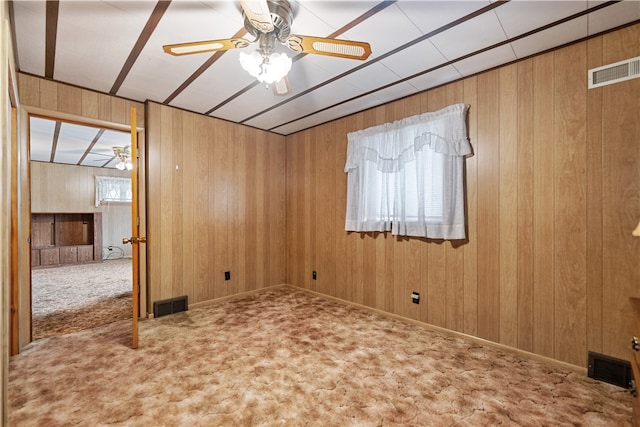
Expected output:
{"points": [[525, 205], [508, 228], [553, 192], [569, 136], [543, 198], [594, 204], [489, 240], [216, 203]]}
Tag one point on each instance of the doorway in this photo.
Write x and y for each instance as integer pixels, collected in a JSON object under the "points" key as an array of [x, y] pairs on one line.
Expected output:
{"points": [[81, 209]]}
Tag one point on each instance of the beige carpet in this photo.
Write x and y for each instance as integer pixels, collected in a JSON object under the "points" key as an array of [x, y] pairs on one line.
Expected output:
{"points": [[285, 357], [71, 298]]}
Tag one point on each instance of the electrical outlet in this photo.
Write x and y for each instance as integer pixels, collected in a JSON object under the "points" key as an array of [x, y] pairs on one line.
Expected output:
{"points": [[415, 297], [227, 275], [314, 275]]}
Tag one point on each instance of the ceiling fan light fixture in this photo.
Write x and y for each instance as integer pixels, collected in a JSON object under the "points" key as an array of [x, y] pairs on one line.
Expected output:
{"points": [[267, 69], [124, 165]]}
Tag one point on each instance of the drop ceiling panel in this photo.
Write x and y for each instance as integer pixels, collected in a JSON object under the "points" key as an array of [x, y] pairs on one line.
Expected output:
{"points": [[429, 16], [328, 95], [554, 36], [485, 60], [470, 36], [519, 17], [84, 61], [41, 138], [335, 14], [30, 36], [414, 59], [305, 22], [435, 78], [327, 115], [372, 77], [610, 17], [394, 92], [385, 31]]}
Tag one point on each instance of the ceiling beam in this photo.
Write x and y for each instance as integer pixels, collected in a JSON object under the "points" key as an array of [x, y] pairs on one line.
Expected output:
{"points": [[90, 147], [54, 142], [51, 33]]}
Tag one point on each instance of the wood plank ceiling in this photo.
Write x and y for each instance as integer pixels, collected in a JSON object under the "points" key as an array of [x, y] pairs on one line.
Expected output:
{"points": [[116, 47]]}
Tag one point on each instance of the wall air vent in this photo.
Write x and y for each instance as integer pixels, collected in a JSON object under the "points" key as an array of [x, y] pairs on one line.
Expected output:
{"points": [[614, 73], [609, 369], [170, 306]]}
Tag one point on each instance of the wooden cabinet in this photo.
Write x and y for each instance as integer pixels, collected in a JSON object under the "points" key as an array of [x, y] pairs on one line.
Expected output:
{"points": [[65, 238], [49, 256], [635, 359], [68, 254], [86, 253]]}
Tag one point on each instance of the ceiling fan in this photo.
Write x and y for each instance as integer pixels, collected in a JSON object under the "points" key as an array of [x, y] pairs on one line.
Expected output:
{"points": [[123, 154], [269, 21]]}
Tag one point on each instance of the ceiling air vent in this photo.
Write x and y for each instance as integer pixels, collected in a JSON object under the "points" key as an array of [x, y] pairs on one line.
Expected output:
{"points": [[614, 73]]}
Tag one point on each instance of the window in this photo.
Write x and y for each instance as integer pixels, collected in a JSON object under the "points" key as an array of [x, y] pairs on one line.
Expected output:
{"points": [[113, 189], [407, 177]]}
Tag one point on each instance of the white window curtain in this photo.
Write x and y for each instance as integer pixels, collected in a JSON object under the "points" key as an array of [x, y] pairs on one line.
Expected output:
{"points": [[407, 176], [113, 189]]}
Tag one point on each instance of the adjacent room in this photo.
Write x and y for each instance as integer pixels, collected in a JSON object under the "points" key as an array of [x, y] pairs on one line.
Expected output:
{"points": [[81, 210], [340, 213]]}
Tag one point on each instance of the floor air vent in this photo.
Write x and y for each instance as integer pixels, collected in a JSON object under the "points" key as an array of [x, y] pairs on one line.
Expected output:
{"points": [[614, 73], [170, 306], [609, 369]]}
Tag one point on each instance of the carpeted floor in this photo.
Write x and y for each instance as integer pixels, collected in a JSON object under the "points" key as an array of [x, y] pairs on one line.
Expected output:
{"points": [[286, 357], [71, 298]]}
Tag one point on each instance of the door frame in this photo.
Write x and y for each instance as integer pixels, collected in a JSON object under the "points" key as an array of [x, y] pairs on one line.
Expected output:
{"points": [[23, 315]]}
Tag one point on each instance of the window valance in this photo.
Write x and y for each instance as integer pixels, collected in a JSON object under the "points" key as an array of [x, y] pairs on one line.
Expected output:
{"points": [[391, 145]]}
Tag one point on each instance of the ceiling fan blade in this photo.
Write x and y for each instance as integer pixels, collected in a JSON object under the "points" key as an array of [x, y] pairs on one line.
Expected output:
{"points": [[331, 47], [281, 87], [180, 49], [258, 14], [100, 154]]}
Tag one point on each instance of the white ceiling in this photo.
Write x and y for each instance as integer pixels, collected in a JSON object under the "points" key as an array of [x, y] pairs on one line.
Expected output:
{"points": [[71, 143], [116, 47]]}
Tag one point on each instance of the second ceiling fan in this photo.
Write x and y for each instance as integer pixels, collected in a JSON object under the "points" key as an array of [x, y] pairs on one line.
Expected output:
{"points": [[269, 21]]}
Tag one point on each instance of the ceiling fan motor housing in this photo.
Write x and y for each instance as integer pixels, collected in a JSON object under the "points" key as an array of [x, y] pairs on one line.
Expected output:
{"points": [[282, 17]]}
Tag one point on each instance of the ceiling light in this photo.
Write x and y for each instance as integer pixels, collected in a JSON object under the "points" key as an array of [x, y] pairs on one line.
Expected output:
{"points": [[266, 68], [122, 165], [124, 155]]}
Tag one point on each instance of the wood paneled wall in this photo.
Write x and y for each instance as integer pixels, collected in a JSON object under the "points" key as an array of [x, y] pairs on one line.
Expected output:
{"points": [[216, 203], [71, 188], [552, 190], [72, 102]]}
